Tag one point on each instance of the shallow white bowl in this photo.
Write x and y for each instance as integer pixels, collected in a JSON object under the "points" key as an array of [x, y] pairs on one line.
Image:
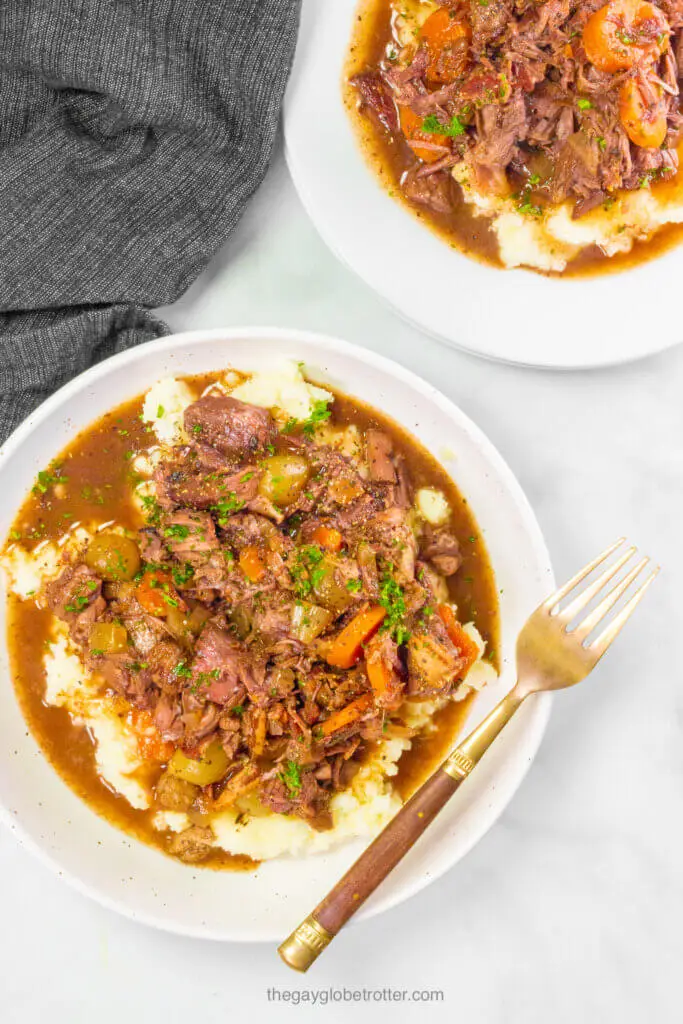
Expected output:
{"points": [[139, 881], [514, 315]]}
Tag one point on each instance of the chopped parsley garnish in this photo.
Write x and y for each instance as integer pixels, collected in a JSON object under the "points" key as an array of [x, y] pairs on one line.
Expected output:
{"points": [[152, 509], [291, 777], [354, 586], [224, 508], [319, 414], [204, 679], [160, 411], [584, 104], [526, 206], [197, 428], [392, 600], [182, 574], [307, 572], [47, 479], [182, 670], [177, 530], [432, 126]]}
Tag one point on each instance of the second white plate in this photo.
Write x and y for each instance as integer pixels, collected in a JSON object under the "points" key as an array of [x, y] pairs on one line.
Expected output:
{"points": [[515, 315]]}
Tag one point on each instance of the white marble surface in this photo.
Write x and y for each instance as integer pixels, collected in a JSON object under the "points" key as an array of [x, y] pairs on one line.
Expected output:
{"points": [[570, 909]]}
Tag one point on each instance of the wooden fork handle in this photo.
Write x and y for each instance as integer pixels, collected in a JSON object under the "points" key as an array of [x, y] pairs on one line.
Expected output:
{"points": [[306, 943]]}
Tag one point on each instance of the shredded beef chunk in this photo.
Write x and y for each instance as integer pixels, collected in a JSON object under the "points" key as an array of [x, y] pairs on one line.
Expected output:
{"points": [[538, 101], [380, 452], [187, 480], [231, 427], [220, 666], [376, 97], [441, 549], [76, 597]]}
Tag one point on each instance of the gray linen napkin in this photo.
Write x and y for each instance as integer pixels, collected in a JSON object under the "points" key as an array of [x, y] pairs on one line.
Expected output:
{"points": [[132, 134]]}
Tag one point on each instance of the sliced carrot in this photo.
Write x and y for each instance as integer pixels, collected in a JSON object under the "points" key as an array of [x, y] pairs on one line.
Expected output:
{"points": [[327, 537], [624, 34], [156, 593], [378, 671], [411, 126], [447, 39], [458, 636], [642, 112], [346, 716], [347, 646], [251, 563]]}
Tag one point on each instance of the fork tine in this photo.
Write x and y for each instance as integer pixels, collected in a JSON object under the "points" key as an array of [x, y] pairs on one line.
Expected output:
{"points": [[569, 613], [591, 621], [604, 639], [587, 569]]}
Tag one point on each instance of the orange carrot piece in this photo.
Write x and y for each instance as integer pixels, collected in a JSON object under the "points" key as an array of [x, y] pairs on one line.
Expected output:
{"points": [[411, 126], [251, 563], [347, 646], [156, 593], [327, 537], [346, 716], [378, 672], [447, 40], [458, 636]]}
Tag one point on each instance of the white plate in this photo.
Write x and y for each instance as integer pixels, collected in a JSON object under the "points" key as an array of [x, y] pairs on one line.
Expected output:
{"points": [[139, 881], [515, 315]]}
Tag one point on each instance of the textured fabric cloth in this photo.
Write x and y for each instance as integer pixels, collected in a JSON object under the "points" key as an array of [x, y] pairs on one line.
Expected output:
{"points": [[132, 133]]}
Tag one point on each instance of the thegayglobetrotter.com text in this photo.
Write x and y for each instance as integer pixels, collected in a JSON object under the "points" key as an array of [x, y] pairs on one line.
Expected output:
{"points": [[325, 996]]}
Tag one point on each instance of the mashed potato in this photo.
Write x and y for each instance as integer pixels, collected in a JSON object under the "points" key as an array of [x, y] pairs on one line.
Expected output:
{"points": [[409, 16], [27, 572], [283, 390], [163, 408], [432, 506], [68, 685], [549, 241]]}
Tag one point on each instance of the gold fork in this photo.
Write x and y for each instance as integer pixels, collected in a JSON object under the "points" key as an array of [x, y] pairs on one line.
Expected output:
{"points": [[553, 652]]}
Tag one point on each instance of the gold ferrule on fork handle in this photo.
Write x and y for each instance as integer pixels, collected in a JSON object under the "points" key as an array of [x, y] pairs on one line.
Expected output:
{"points": [[458, 765], [464, 758], [305, 944]]}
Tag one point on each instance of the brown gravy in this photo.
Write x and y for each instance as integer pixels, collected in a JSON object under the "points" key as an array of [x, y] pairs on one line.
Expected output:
{"points": [[97, 465], [391, 157]]}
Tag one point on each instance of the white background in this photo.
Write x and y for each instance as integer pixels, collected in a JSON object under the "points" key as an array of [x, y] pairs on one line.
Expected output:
{"points": [[570, 911]]}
